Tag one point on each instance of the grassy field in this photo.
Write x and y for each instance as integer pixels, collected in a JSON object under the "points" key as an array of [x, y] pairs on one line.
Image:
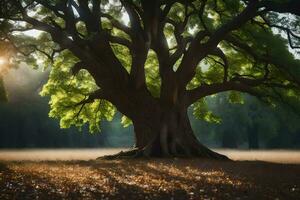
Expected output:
{"points": [[74, 174]]}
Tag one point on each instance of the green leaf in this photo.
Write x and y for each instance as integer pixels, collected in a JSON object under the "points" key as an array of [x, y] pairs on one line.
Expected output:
{"points": [[235, 97], [125, 121], [201, 112]]}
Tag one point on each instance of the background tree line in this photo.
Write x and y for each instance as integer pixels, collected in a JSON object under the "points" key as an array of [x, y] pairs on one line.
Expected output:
{"points": [[24, 123], [249, 123]]}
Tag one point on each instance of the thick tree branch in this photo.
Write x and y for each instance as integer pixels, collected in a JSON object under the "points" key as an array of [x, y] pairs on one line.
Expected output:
{"points": [[197, 51], [219, 53], [54, 8], [201, 13], [120, 40], [262, 58], [134, 17], [289, 32], [115, 23], [207, 90]]}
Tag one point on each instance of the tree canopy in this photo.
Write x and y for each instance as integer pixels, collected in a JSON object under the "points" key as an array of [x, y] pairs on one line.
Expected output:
{"points": [[132, 55]]}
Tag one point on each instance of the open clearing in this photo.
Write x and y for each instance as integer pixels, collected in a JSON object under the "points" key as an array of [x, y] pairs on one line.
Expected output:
{"points": [[73, 174], [277, 156]]}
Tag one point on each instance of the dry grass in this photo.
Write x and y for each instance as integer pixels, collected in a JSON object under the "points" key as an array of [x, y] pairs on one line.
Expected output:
{"points": [[277, 156], [56, 154]]}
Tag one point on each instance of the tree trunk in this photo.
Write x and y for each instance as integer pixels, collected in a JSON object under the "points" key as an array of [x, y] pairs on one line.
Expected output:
{"points": [[162, 127], [169, 135]]}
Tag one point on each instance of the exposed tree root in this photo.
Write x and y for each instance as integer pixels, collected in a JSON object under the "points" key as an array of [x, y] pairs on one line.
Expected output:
{"points": [[132, 153], [145, 153]]}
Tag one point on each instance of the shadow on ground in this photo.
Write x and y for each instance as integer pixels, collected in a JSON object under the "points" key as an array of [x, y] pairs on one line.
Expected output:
{"points": [[149, 179]]}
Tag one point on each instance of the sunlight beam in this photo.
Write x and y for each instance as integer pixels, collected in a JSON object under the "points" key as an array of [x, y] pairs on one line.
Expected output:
{"points": [[3, 63]]}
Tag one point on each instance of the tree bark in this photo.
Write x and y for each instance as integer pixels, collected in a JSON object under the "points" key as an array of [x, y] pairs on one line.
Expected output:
{"points": [[169, 135]]}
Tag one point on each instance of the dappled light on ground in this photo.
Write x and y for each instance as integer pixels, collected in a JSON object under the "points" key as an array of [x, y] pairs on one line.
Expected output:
{"points": [[148, 179]]}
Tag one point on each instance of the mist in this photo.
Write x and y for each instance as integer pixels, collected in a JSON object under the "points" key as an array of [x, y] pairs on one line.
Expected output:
{"points": [[24, 83], [24, 120]]}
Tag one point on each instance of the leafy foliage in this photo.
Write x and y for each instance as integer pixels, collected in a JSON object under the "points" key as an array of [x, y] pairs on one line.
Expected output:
{"points": [[202, 112], [240, 54], [67, 91]]}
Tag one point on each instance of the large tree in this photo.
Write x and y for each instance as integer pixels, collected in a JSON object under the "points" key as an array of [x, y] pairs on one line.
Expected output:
{"points": [[152, 59]]}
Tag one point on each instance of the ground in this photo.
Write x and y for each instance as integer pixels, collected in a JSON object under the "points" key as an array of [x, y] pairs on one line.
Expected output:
{"points": [[179, 179]]}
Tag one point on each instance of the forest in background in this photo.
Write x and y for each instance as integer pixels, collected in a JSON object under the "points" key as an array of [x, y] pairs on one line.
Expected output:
{"points": [[24, 122], [244, 123]]}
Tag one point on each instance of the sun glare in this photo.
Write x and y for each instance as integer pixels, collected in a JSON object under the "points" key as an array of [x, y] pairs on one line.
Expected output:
{"points": [[2, 61], [2, 65]]}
